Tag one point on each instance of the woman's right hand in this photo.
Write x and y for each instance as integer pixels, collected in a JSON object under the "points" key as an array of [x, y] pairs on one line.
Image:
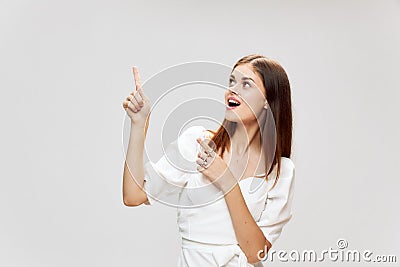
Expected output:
{"points": [[137, 104]]}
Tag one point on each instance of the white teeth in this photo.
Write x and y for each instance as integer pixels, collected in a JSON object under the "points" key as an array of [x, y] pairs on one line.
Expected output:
{"points": [[233, 101]]}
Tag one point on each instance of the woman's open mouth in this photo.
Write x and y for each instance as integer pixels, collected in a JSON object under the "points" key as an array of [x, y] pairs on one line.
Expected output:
{"points": [[232, 103]]}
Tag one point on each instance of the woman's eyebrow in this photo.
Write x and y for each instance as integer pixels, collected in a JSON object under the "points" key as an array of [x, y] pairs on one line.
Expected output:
{"points": [[248, 78], [243, 78]]}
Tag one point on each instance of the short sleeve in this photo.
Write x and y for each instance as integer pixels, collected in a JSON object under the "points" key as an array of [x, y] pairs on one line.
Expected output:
{"points": [[278, 205], [165, 179]]}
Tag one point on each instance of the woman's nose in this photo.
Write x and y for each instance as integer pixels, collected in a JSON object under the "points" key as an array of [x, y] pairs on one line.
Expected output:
{"points": [[231, 90]]}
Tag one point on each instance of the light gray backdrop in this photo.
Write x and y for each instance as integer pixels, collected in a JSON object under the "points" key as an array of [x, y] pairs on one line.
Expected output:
{"points": [[66, 68]]}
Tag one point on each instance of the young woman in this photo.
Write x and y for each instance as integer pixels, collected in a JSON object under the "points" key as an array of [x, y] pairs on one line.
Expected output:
{"points": [[229, 223]]}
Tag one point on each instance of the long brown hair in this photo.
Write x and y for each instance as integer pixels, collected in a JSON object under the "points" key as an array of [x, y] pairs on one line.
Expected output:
{"points": [[276, 84]]}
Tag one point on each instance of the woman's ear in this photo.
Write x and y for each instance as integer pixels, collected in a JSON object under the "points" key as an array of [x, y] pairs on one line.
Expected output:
{"points": [[266, 104]]}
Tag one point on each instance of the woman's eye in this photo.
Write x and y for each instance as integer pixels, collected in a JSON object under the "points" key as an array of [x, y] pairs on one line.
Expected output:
{"points": [[246, 84], [231, 81]]}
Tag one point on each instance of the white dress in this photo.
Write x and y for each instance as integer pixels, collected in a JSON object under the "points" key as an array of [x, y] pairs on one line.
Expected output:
{"points": [[208, 236]]}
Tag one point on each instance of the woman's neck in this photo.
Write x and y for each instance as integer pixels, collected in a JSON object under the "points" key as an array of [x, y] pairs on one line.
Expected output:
{"points": [[247, 137]]}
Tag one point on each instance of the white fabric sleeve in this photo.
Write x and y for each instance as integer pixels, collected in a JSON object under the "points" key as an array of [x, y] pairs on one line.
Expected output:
{"points": [[165, 179], [278, 205]]}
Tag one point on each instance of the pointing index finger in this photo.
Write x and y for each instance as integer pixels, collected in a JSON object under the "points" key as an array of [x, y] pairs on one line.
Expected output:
{"points": [[137, 77]]}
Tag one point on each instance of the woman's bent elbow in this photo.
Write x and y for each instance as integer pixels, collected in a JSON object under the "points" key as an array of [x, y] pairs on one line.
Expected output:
{"points": [[137, 201], [131, 203]]}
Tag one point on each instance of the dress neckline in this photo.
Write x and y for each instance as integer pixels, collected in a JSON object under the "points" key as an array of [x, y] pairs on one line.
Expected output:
{"points": [[252, 177]]}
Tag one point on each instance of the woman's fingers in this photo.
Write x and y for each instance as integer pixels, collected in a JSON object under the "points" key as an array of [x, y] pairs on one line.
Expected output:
{"points": [[129, 107], [138, 98], [125, 104], [139, 89], [137, 78], [204, 144], [134, 103], [132, 107], [141, 97]]}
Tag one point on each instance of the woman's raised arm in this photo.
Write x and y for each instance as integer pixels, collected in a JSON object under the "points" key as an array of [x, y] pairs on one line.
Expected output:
{"points": [[137, 106]]}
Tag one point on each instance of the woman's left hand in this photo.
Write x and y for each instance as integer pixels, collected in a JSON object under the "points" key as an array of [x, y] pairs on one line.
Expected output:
{"points": [[216, 169]]}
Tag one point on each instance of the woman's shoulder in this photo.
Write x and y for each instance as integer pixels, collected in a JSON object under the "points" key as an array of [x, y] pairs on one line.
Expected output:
{"points": [[287, 163], [287, 169]]}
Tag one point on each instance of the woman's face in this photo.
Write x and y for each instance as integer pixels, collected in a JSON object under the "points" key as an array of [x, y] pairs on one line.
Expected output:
{"points": [[247, 88]]}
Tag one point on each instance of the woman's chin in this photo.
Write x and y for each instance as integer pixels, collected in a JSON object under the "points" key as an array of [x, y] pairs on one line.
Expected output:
{"points": [[230, 116]]}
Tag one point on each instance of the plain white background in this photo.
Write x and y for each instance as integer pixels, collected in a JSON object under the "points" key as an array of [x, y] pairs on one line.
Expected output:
{"points": [[66, 68]]}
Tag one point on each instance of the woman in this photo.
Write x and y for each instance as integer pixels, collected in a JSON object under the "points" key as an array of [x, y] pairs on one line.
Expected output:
{"points": [[239, 227]]}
